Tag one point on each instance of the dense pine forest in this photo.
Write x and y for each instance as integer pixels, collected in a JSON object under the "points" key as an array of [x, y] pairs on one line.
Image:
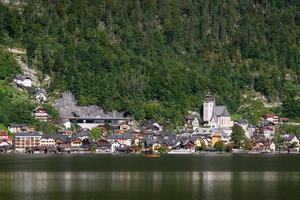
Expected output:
{"points": [[158, 58]]}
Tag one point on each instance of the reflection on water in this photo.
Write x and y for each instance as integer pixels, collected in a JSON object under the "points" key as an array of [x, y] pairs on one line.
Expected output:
{"points": [[149, 185]]}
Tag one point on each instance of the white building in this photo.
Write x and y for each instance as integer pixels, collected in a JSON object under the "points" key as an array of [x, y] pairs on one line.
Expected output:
{"points": [[22, 80], [25, 140], [114, 146], [208, 107], [41, 95], [47, 142], [272, 146], [215, 116]]}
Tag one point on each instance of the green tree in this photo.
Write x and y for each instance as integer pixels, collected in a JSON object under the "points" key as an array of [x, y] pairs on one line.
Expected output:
{"points": [[237, 136], [219, 146], [291, 108], [95, 133]]}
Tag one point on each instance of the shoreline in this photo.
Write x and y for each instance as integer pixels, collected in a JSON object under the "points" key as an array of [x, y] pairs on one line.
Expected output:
{"points": [[161, 154]]}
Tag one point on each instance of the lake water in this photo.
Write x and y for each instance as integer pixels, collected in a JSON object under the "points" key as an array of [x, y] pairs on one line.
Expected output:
{"points": [[128, 177]]}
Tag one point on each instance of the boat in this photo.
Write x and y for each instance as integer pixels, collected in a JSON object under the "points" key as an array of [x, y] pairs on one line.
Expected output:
{"points": [[152, 155]]}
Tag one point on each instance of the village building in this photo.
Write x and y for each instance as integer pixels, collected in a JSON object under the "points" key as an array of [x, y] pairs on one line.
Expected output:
{"points": [[151, 126], [41, 95], [215, 116], [47, 141], [291, 141], [23, 80], [41, 114], [272, 118], [16, 128], [215, 137], [103, 145], [76, 142], [123, 139], [4, 137], [272, 146], [124, 126], [191, 122], [24, 140], [114, 146]]}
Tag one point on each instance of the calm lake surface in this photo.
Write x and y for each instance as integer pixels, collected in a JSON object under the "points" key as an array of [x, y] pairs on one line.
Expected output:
{"points": [[114, 177]]}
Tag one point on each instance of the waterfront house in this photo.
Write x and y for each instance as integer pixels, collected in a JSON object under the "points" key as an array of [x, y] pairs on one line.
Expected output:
{"points": [[47, 141], [5, 144], [114, 146], [103, 145], [124, 139], [61, 140], [25, 140], [172, 142], [4, 137], [75, 141], [188, 144], [148, 142], [291, 141], [272, 146], [156, 146]]}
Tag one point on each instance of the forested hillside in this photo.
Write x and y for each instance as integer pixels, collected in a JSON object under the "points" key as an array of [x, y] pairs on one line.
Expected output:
{"points": [[158, 58]]}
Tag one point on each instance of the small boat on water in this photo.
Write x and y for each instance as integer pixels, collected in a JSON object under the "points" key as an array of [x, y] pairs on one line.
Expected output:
{"points": [[152, 155]]}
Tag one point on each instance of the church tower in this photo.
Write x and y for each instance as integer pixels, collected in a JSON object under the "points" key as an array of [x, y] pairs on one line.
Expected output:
{"points": [[208, 107]]}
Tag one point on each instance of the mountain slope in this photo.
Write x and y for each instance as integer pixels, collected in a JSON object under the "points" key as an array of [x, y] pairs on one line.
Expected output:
{"points": [[156, 59]]}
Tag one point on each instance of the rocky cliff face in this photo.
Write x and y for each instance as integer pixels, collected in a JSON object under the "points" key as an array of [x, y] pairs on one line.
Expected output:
{"points": [[67, 107]]}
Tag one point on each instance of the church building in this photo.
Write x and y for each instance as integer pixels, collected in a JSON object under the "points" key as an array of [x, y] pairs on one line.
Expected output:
{"points": [[215, 116]]}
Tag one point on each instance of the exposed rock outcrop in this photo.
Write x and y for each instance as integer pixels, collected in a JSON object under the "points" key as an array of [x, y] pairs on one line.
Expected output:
{"points": [[67, 107]]}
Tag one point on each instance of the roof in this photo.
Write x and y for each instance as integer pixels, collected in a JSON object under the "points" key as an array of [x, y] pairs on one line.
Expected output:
{"points": [[48, 137], [40, 91], [40, 108], [271, 115], [242, 121], [22, 77], [2, 133], [28, 134], [17, 125], [221, 111], [189, 117], [195, 138], [208, 98], [149, 141], [289, 137], [125, 136], [63, 138], [267, 123], [171, 141]]}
